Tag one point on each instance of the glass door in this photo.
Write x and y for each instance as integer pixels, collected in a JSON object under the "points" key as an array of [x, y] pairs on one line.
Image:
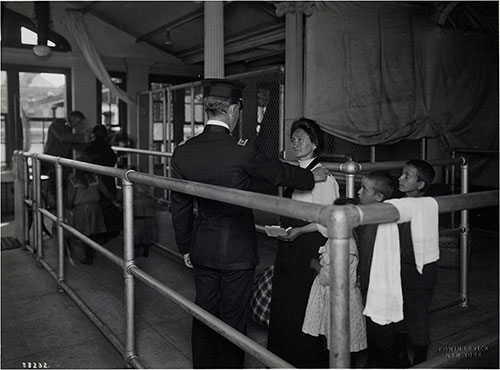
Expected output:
{"points": [[42, 98]]}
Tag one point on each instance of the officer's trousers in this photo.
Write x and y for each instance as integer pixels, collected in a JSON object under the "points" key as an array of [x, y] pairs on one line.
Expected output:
{"points": [[226, 295]]}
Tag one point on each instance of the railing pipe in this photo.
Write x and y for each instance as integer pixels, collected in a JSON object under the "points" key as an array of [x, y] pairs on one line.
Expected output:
{"points": [[340, 232], [100, 170], [60, 218], [385, 212], [464, 238], [350, 169], [114, 340], [115, 259], [475, 151], [263, 202], [141, 151], [213, 322], [128, 254], [368, 166]]}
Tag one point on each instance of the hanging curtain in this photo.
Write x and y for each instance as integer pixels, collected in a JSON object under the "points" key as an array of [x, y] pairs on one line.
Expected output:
{"points": [[380, 72], [76, 26]]}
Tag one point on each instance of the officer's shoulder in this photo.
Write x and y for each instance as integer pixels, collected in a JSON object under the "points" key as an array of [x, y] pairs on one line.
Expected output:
{"points": [[184, 142], [242, 142]]}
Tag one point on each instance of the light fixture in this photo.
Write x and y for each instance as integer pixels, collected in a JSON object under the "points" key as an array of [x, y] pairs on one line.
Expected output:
{"points": [[41, 51], [42, 20], [168, 42]]}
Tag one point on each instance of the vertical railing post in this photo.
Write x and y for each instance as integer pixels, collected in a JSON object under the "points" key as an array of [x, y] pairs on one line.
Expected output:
{"points": [[167, 133], [340, 232], [38, 197], [464, 237], [60, 218], [350, 168], [452, 188], [373, 153], [150, 137], [128, 256], [423, 148], [34, 209], [27, 195]]}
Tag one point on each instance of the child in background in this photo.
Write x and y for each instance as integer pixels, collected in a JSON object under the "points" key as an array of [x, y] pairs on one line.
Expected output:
{"points": [[317, 316], [83, 203]]}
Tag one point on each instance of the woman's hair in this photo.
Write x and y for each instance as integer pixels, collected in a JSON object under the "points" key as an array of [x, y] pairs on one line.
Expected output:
{"points": [[100, 132], [311, 128], [82, 178]]}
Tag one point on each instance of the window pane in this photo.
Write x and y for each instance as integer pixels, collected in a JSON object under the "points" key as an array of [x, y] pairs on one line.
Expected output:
{"points": [[4, 111], [42, 98], [28, 37], [3, 79]]}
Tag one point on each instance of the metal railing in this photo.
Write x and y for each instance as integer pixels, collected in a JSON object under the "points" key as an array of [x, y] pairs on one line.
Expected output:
{"points": [[351, 169], [340, 221]]}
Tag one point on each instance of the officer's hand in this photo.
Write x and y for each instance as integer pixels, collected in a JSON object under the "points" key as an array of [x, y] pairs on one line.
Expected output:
{"points": [[320, 174], [187, 260]]}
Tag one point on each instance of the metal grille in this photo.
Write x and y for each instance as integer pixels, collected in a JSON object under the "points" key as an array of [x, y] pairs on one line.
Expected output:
{"points": [[261, 121], [403, 150], [261, 113]]}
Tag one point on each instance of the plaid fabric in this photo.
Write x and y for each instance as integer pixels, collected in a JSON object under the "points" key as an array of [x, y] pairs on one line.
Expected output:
{"points": [[260, 303]]}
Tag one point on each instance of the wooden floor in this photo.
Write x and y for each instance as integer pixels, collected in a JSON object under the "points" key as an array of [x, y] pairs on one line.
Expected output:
{"points": [[40, 324]]}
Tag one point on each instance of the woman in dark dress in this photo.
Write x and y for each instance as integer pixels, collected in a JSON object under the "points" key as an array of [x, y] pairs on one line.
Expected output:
{"points": [[293, 276]]}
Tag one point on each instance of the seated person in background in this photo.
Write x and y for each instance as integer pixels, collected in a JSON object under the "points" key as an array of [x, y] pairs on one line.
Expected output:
{"points": [[99, 152]]}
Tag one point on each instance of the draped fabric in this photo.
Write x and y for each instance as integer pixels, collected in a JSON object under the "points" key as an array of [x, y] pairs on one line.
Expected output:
{"points": [[75, 24], [380, 72]]}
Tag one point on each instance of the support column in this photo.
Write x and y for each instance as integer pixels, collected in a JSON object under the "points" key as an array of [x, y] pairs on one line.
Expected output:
{"points": [[84, 93], [137, 80], [214, 39], [294, 66]]}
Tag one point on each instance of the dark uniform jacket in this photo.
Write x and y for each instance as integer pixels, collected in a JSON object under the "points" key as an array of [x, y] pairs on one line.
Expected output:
{"points": [[99, 152], [60, 139], [223, 236]]}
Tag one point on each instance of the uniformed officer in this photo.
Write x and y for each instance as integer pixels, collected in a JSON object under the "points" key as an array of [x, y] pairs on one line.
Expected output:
{"points": [[220, 243]]}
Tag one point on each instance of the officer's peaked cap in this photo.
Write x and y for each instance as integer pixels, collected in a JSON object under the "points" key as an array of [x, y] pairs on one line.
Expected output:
{"points": [[223, 88]]}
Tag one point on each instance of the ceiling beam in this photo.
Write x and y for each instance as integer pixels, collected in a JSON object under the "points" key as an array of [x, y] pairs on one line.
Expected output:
{"points": [[235, 45], [251, 55], [189, 17]]}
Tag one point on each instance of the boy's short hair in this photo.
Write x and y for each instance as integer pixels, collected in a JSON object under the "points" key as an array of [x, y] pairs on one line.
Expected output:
{"points": [[343, 200], [425, 172], [383, 183]]}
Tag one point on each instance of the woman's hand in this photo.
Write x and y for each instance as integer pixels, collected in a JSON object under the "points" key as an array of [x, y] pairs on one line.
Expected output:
{"points": [[187, 260], [291, 234]]}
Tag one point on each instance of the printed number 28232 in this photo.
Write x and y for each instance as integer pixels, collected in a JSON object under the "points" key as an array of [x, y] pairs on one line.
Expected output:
{"points": [[35, 365]]}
